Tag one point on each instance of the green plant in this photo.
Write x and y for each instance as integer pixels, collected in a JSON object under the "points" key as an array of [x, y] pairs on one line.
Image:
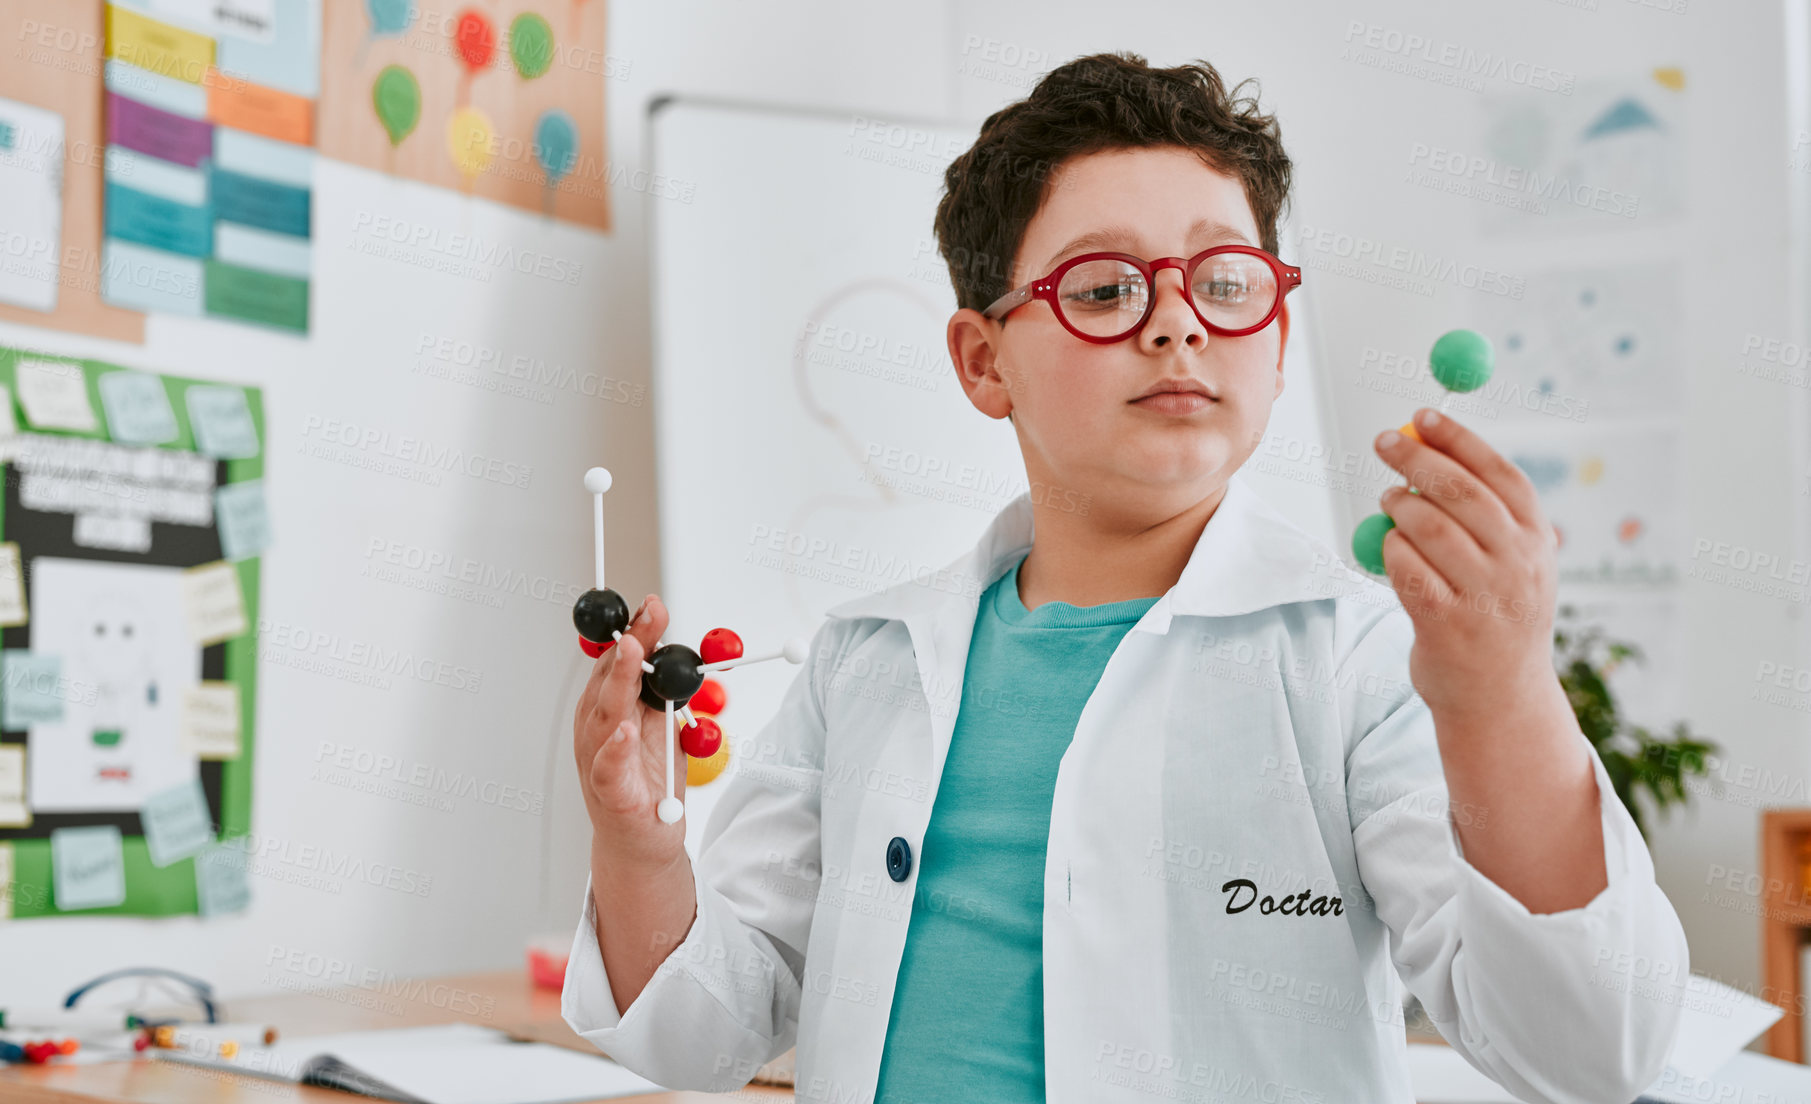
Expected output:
{"points": [[1635, 759]]}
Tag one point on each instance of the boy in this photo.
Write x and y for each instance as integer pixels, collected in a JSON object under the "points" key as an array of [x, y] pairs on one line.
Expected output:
{"points": [[1178, 803]]}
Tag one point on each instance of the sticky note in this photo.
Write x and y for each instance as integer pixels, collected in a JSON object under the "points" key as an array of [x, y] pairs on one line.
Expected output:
{"points": [[14, 813], [267, 111], [12, 585], [267, 298], [54, 394], [222, 421], [33, 690], [164, 49], [176, 822], [150, 279], [244, 524], [210, 720], [220, 882], [6, 880], [213, 602], [158, 221], [138, 408], [267, 204], [88, 867]]}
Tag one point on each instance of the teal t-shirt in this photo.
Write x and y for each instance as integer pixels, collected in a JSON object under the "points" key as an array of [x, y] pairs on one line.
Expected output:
{"points": [[968, 1011]]}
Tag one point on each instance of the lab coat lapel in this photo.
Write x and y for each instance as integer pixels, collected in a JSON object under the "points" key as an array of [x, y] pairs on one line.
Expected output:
{"points": [[1249, 557]]}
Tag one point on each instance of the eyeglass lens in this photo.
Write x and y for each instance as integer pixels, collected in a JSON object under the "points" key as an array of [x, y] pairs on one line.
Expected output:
{"points": [[1106, 298]]}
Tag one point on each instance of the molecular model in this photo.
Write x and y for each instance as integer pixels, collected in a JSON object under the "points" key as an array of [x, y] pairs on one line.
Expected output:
{"points": [[1461, 362], [672, 675]]}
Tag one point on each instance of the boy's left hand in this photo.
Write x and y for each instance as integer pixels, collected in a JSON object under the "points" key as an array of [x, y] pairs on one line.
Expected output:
{"points": [[1472, 558]]}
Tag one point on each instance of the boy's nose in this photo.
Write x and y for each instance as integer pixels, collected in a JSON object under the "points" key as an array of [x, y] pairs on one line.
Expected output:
{"points": [[1172, 315]]}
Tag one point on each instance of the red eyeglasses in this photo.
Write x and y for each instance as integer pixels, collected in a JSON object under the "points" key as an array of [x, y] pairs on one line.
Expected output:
{"points": [[1104, 297]]}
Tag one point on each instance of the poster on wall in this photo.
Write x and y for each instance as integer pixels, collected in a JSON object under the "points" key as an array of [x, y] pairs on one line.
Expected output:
{"points": [[51, 144], [132, 525], [502, 99], [210, 126]]}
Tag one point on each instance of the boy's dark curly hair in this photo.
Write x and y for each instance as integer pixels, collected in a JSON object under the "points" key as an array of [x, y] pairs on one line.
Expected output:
{"points": [[1094, 103]]}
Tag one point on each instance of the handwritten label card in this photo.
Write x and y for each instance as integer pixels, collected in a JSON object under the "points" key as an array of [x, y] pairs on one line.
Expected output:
{"points": [[54, 394], [210, 720], [14, 813], [215, 607]]}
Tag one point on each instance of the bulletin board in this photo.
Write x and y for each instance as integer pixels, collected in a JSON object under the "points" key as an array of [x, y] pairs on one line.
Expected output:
{"points": [[54, 65], [210, 163], [132, 522], [502, 99]]}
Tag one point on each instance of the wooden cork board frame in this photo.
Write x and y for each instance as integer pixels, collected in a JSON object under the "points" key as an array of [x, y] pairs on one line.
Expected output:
{"points": [[53, 59], [352, 56]]}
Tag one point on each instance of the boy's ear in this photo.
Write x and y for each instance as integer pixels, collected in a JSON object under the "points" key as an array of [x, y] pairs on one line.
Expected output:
{"points": [[974, 344]]}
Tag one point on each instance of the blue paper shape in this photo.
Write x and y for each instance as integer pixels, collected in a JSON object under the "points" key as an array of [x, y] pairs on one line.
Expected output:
{"points": [[220, 882], [33, 690], [244, 522], [138, 408], [177, 823], [88, 867], [222, 422]]}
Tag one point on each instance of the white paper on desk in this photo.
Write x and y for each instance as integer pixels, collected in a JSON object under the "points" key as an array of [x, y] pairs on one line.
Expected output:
{"points": [[1746, 1077], [447, 1064], [1715, 1024]]}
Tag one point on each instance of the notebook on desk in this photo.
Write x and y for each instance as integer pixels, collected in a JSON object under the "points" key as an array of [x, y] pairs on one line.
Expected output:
{"points": [[445, 1064]]}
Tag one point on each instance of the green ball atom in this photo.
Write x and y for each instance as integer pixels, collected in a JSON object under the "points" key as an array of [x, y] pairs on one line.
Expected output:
{"points": [[1461, 360], [1367, 542]]}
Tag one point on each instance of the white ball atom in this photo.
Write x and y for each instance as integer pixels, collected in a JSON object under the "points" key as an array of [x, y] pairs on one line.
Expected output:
{"points": [[669, 810], [797, 650], [597, 480]]}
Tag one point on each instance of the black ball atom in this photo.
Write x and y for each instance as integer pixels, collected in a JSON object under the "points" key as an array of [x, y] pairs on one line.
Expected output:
{"points": [[599, 615], [675, 677]]}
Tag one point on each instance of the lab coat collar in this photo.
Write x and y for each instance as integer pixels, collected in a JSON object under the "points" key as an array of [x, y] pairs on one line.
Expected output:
{"points": [[1249, 557]]}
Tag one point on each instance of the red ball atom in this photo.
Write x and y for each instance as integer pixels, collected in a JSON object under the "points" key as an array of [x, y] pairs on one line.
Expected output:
{"points": [[719, 645], [701, 739], [710, 698], [594, 649]]}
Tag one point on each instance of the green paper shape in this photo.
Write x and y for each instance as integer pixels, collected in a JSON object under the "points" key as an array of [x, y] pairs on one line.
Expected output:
{"points": [[1461, 360], [176, 822], [251, 295], [90, 867], [1367, 542], [530, 45], [396, 97]]}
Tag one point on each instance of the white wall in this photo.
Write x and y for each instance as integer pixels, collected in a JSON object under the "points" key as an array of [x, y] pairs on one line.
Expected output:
{"points": [[1348, 129]]}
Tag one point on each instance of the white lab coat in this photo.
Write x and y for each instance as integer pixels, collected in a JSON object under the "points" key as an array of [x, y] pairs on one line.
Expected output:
{"points": [[1257, 723]]}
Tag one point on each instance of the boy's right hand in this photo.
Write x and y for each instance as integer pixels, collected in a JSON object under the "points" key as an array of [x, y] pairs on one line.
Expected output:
{"points": [[622, 755]]}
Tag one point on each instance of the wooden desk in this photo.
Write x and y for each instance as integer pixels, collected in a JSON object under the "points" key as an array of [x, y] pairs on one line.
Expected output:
{"points": [[505, 1000]]}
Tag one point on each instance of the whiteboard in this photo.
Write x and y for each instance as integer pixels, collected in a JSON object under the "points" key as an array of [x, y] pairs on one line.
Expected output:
{"points": [[811, 439]]}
